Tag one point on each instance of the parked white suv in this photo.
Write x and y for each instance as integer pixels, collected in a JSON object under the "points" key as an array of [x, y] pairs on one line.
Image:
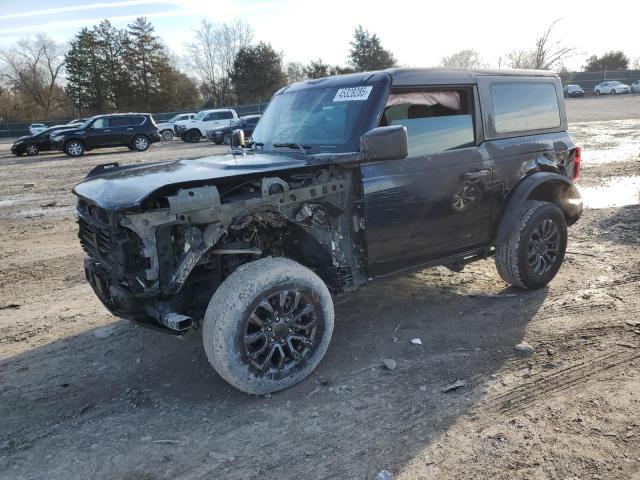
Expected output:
{"points": [[612, 86], [36, 128], [196, 128], [166, 128]]}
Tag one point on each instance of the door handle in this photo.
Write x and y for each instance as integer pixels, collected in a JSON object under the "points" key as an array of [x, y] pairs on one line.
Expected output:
{"points": [[475, 175], [107, 130], [129, 129]]}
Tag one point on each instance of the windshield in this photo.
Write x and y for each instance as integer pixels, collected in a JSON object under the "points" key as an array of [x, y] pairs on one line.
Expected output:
{"points": [[322, 120], [173, 119], [199, 115]]}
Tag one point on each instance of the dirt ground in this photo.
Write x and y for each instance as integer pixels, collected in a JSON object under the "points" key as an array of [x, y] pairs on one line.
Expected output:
{"points": [[84, 395]]}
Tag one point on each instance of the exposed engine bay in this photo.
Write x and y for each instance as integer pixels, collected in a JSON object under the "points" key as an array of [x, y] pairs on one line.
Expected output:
{"points": [[161, 266]]}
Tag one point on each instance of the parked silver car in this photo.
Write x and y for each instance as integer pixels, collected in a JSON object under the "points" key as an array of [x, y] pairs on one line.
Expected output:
{"points": [[612, 87], [635, 86]]}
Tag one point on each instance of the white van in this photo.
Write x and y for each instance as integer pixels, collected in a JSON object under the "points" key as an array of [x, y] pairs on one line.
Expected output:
{"points": [[196, 128]]}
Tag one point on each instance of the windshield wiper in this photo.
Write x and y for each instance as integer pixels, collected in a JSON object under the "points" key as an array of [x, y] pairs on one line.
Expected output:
{"points": [[302, 148]]}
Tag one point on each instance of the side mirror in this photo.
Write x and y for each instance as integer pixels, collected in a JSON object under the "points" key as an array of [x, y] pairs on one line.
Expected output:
{"points": [[237, 139], [384, 143]]}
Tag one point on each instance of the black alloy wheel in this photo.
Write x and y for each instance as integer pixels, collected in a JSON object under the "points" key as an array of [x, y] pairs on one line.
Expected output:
{"points": [[543, 247], [281, 331]]}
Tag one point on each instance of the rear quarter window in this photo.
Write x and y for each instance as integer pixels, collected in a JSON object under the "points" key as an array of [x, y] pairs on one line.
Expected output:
{"points": [[521, 107]]}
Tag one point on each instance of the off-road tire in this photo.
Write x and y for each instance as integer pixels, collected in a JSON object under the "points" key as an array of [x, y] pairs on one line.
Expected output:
{"points": [[74, 148], [140, 143], [235, 300], [512, 254]]}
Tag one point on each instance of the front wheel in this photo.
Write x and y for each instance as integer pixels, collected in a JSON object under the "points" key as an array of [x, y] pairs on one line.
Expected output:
{"points": [[613, 91], [268, 325], [597, 92], [167, 136], [32, 149], [533, 252], [74, 148]]}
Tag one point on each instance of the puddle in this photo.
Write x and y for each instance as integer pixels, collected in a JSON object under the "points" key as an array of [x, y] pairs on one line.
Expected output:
{"points": [[616, 192], [607, 142]]}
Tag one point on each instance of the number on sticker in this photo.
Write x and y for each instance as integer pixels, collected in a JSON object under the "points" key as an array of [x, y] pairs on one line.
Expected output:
{"points": [[352, 94]]}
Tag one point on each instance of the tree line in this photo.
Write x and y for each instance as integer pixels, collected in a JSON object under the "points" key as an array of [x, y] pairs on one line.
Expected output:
{"points": [[546, 53], [107, 69]]}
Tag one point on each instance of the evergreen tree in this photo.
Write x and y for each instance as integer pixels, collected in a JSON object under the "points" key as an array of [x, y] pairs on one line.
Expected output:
{"points": [[112, 44], [257, 73], [85, 82], [367, 52], [145, 58], [317, 69]]}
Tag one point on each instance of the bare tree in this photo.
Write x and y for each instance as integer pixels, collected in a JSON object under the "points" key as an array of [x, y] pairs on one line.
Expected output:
{"points": [[521, 59], [467, 58], [210, 56], [636, 64], [548, 53], [33, 67]]}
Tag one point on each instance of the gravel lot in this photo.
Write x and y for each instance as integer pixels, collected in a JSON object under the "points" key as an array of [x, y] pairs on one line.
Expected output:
{"points": [[86, 395]]}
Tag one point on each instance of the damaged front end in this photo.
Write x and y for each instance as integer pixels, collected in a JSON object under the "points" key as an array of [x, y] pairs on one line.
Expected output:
{"points": [[160, 265]]}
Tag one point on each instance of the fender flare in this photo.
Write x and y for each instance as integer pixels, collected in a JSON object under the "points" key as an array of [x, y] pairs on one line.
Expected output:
{"points": [[568, 198]]}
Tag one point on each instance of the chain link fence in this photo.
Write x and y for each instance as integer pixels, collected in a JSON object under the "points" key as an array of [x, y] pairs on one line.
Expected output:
{"points": [[9, 130], [588, 80]]}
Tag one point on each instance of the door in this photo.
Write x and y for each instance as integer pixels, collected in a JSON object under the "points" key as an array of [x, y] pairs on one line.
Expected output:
{"points": [[100, 133], [435, 203]]}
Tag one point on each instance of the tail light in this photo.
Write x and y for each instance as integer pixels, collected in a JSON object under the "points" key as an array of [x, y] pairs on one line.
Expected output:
{"points": [[577, 160]]}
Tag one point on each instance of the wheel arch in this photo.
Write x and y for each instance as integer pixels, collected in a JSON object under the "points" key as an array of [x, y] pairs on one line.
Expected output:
{"points": [[543, 186]]}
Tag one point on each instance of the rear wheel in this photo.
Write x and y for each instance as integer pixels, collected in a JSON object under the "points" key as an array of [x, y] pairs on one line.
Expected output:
{"points": [[140, 143], [32, 149], [613, 91], [268, 325], [74, 148], [167, 135], [533, 252]]}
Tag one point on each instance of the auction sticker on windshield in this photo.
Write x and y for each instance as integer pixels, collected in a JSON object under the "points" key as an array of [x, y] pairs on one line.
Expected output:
{"points": [[352, 93]]}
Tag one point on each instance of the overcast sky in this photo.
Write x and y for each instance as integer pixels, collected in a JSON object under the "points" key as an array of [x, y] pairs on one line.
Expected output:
{"points": [[418, 33]]}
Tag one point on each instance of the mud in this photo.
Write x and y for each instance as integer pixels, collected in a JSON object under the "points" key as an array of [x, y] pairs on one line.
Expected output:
{"points": [[85, 395]]}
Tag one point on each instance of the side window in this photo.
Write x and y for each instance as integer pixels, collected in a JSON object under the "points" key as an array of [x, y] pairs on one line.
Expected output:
{"points": [[135, 121], [101, 123], [119, 121], [436, 121], [519, 107]]}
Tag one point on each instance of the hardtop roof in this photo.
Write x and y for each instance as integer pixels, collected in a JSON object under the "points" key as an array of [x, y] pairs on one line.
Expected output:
{"points": [[416, 76]]}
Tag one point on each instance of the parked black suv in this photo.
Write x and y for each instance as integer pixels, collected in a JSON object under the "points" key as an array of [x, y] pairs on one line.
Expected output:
{"points": [[347, 180], [223, 134], [134, 130], [41, 142]]}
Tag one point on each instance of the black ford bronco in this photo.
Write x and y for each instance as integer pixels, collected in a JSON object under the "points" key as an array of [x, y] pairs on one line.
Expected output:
{"points": [[345, 180]]}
